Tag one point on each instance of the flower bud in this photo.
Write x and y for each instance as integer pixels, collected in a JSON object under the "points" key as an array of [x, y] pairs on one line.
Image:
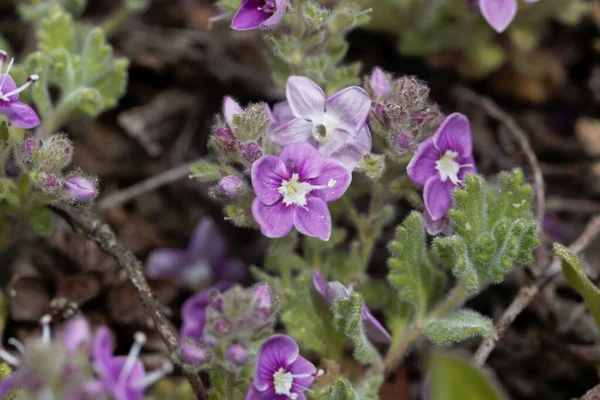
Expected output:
{"points": [[46, 181], [224, 139], [230, 186], [55, 154], [237, 354], [252, 151], [404, 142], [262, 296], [222, 327], [29, 145], [193, 354], [80, 189], [380, 85]]}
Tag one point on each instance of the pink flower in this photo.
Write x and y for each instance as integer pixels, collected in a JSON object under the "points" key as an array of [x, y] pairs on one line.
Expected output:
{"points": [[263, 14], [334, 125], [441, 163], [281, 372], [500, 13], [18, 113], [293, 189]]}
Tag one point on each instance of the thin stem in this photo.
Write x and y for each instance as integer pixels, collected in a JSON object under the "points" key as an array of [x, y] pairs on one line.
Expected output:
{"points": [[454, 299], [117, 18]]}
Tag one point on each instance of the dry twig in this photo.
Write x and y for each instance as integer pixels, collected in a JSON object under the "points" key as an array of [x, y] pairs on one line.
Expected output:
{"points": [[99, 232], [527, 294]]}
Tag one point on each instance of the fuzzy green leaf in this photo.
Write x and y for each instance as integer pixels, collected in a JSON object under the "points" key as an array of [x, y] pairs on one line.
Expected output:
{"points": [[459, 326], [348, 320], [340, 389], [38, 9], [578, 280], [205, 171], [283, 251], [369, 388], [40, 220], [224, 387], [412, 272], [9, 191], [57, 31], [453, 378], [494, 230], [308, 319]]}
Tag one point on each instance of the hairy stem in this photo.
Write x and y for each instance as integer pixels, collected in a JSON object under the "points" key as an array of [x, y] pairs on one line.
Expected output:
{"points": [[454, 299]]}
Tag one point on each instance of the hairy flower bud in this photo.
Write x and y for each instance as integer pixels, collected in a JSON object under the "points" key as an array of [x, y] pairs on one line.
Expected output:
{"points": [[28, 146], [46, 181], [55, 154], [193, 354], [224, 139], [230, 186], [80, 189], [404, 142], [237, 354], [252, 151], [222, 327]]}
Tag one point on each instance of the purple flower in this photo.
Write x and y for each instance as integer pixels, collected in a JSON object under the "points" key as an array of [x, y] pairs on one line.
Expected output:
{"points": [[335, 125], [435, 227], [281, 372], [80, 189], [204, 260], [193, 316], [499, 13], [441, 163], [293, 189], [125, 378], [380, 84], [264, 14], [331, 291], [18, 113]]}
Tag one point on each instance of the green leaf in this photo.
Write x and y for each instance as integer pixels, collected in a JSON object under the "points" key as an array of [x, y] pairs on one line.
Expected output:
{"points": [[225, 387], [369, 388], [9, 191], [340, 389], [578, 280], [308, 319], [228, 5], [459, 326], [282, 253], [40, 220], [347, 314], [494, 230], [56, 31], [412, 272], [38, 9], [206, 171], [453, 378]]}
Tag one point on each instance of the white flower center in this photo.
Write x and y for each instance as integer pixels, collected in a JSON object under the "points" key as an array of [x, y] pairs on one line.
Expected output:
{"points": [[294, 192], [282, 382], [447, 167], [323, 125]]}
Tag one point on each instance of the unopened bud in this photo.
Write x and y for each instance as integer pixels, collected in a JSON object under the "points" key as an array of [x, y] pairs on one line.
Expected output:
{"points": [[237, 354], [55, 154], [222, 327], [404, 142], [80, 189], [193, 354], [28, 147], [380, 85], [47, 182], [262, 296], [224, 139], [216, 301], [230, 186], [252, 151]]}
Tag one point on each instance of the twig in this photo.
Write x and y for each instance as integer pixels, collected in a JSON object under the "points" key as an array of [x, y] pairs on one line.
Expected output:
{"points": [[520, 136], [145, 186], [576, 206], [99, 232], [527, 294]]}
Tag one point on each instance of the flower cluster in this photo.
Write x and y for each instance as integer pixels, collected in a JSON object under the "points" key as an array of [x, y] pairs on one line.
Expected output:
{"points": [[78, 365], [221, 324]]}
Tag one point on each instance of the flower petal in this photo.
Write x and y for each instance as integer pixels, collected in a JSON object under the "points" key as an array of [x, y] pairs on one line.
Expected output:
{"points": [[334, 141], [281, 7], [276, 352], [318, 283], [313, 220], [301, 366], [207, 241], [351, 107], [302, 159], [231, 108], [20, 114], [435, 227], [267, 175], [353, 153], [193, 315], [374, 329], [255, 394], [11, 382], [230, 270], [380, 84], [282, 112], [165, 263], [275, 220], [102, 348], [422, 166], [467, 167], [335, 172], [8, 86], [306, 98], [334, 291], [77, 333], [438, 197], [454, 134], [294, 131], [498, 13], [248, 16]]}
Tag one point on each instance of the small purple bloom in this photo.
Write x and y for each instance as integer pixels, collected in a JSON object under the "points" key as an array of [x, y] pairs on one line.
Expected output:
{"points": [[441, 163], [125, 378], [205, 259], [237, 354], [380, 84], [18, 113], [230, 186], [281, 372], [80, 189], [193, 312], [334, 125], [293, 189], [499, 13], [331, 291], [264, 14]]}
